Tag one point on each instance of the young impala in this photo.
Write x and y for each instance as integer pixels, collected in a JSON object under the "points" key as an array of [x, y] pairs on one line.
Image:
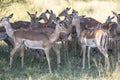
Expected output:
{"points": [[32, 39], [91, 38]]}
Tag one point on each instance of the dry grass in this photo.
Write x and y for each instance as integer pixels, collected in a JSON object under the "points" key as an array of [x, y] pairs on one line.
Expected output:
{"points": [[97, 9]]}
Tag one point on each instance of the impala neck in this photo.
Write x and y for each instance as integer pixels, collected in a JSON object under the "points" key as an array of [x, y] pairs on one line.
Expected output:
{"points": [[55, 35], [45, 19], [9, 29], [78, 27], [118, 28]]}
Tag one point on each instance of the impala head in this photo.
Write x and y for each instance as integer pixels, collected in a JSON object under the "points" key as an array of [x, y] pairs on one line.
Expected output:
{"points": [[109, 19], [64, 12], [110, 26], [43, 15], [117, 15], [33, 17], [59, 26], [75, 17], [5, 19], [52, 15]]}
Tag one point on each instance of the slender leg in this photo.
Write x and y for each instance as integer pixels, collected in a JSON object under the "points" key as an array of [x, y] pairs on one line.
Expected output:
{"points": [[22, 56], [84, 52], [115, 49], [104, 52], [75, 45], [66, 44], [89, 56], [63, 46], [118, 43], [12, 54], [48, 59], [57, 53]]}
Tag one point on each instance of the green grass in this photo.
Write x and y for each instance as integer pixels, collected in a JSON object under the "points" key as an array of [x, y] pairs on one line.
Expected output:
{"points": [[72, 70]]}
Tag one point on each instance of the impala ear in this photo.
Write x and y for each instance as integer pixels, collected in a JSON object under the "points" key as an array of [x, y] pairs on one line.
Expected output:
{"points": [[112, 17], [28, 13], [109, 19], [74, 11], [68, 8], [51, 11], [115, 14], [47, 11], [10, 16], [36, 13]]}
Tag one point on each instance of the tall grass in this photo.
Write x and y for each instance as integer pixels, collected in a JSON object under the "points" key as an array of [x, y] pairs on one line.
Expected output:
{"points": [[71, 70]]}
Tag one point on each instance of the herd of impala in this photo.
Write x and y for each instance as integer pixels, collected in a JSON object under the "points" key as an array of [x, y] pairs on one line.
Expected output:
{"points": [[37, 35]]}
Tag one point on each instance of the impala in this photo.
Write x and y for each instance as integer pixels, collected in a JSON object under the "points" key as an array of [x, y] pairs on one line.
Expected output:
{"points": [[63, 37], [118, 32], [32, 39], [112, 28], [91, 38]]}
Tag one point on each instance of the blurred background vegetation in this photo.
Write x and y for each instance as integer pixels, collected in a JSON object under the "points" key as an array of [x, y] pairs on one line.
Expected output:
{"points": [[98, 9]]}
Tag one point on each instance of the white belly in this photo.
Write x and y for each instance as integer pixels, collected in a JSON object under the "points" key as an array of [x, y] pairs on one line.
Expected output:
{"points": [[34, 44], [89, 42]]}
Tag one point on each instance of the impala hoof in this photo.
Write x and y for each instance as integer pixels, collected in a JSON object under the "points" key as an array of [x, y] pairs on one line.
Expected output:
{"points": [[83, 67], [89, 67], [10, 69]]}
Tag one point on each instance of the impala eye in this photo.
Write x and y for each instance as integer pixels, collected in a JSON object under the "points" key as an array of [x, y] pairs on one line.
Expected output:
{"points": [[61, 25]]}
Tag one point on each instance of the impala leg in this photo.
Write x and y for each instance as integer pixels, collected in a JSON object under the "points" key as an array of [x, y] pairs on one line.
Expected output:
{"points": [[57, 53], [22, 56], [104, 52], [12, 53], [48, 59], [110, 44], [107, 62], [63, 46], [89, 56], [66, 43], [115, 49], [118, 43], [75, 45], [84, 52]]}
